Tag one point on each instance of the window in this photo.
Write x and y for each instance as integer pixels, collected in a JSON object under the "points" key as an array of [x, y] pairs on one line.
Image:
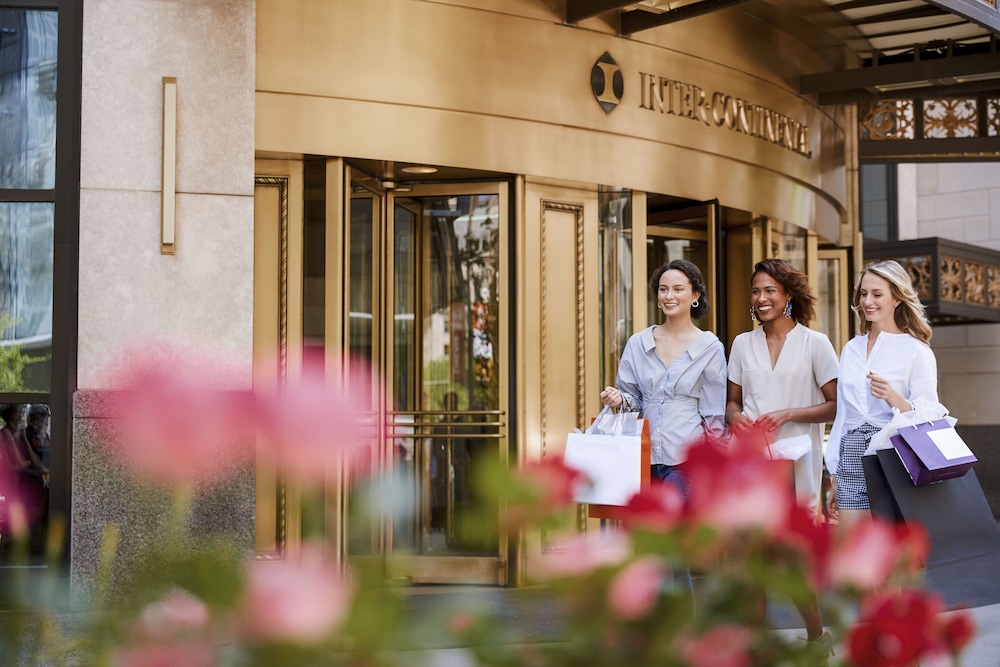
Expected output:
{"points": [[39, 206], [878, 202]]}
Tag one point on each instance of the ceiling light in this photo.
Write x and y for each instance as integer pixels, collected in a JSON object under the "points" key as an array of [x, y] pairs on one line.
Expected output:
{"points": [[418, 169]]}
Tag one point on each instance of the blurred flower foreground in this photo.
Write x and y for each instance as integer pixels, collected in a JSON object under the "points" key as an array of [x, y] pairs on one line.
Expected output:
{"points": [[621, 590]]}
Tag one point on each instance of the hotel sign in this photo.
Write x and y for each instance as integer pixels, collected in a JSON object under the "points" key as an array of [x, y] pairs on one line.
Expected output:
{"points": [[687, 100]]}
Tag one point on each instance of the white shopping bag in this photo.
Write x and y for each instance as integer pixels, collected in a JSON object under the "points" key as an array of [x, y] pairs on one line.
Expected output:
{"points": [[792, 448], [611, 466]]}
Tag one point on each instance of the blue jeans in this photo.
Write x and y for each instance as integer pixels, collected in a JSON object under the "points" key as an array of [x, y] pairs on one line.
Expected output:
{"points": [[667, 474]]}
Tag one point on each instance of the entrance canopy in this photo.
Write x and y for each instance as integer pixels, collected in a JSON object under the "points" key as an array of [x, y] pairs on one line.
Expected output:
{"points": [[927, 81]]}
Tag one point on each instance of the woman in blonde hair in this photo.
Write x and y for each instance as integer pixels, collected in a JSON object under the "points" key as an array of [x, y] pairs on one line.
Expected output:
{"points": [[889, 366]]}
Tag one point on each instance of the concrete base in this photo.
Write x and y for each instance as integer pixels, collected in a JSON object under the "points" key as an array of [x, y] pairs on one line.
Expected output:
{"points": [[104, 495]]}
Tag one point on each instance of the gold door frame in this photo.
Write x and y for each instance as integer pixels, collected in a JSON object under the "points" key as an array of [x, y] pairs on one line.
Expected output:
{"points": [[390, 424]]}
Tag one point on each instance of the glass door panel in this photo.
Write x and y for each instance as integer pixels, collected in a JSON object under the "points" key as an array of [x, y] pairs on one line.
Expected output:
{"points": [[427, 320]]}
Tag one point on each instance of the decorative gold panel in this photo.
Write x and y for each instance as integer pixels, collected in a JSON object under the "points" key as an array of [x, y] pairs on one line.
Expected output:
{"points": [[993, 116], [550, 215], [950, 118], [888, 120], [975, 283], [993, 286], [952, 283], [919, 269]]}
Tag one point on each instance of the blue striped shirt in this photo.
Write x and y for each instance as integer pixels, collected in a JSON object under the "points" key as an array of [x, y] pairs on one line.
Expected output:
{"points": [[683, 401]]}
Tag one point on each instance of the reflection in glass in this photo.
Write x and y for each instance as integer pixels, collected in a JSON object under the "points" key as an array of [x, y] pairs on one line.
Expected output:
{"points": [[26, 242], [27, 98], [615, 283], [24, 474], [445, 307]]}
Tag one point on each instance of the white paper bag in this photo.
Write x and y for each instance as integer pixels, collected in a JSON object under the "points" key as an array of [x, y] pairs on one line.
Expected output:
{"points": [[611, 465], [791, 449]]}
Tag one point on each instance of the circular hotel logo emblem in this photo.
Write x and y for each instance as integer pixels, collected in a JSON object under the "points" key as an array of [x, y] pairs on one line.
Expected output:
{"points": [[607, 82]]}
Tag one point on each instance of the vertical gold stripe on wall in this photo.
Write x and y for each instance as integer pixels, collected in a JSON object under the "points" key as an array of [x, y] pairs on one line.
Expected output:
{"points": [[168, 206]]}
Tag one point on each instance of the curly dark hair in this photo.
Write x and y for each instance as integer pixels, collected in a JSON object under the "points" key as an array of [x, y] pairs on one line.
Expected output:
{"points": [[694, 277], [796, 285]]}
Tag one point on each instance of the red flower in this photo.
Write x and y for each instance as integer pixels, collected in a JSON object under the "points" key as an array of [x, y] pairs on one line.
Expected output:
{"points": [[895, 630], [550, 482], [738, 488], [957, 631], [657, 508]]}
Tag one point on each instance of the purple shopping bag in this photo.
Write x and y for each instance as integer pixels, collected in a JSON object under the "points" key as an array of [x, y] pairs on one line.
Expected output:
{"points": [[932, 452]]}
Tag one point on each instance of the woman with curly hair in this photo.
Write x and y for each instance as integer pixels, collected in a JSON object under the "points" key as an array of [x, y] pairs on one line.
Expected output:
{"points": [[888, 367], [783, 383], [783, 375]]}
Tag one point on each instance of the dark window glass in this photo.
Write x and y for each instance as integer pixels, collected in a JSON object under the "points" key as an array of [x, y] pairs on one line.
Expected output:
{"points": [[26, 241], [27, 98], [24, 447], [878, 202]]}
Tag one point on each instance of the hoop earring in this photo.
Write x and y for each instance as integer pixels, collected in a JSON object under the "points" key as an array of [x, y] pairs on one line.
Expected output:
{"points": [[695, 304], [753, 314], [788, 310]]}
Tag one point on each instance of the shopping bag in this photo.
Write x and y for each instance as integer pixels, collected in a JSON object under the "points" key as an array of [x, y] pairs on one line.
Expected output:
{"points": [[933, 452], [791, 449], [611, 467], [923, 411], [609, 422], [955, 513]]}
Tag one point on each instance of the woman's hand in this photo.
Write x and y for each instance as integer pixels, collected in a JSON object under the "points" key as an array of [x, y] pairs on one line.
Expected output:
{"points": [[772, 421], [738, 422], [611, 396], [883, 389]]}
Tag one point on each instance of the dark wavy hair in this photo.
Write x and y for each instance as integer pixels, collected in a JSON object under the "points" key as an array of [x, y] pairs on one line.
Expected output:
{"points": [[796, 285], [694, 277]]}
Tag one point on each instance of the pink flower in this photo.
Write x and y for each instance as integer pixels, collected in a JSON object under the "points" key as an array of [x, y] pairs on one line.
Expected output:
{"points": [[315, 424], [722, 646], [580, 554], [177, 424], [739, 488], [634, 591], [166, 655], [173, 631], [303, 600], [179, 613], [872, 551]]}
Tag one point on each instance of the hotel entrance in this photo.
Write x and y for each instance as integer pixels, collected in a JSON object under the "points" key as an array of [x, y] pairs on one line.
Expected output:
{"points": [[401, 293]]}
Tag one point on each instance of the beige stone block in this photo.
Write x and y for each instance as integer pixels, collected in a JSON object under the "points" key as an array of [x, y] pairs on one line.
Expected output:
{"points": [[982, 334], [950, 336], [967, 176], [128, 47], [202, 296], [972, 398]]}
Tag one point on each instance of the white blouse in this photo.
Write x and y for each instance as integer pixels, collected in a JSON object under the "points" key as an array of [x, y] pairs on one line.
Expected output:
{"points": [[807, 362], [908, 364]]}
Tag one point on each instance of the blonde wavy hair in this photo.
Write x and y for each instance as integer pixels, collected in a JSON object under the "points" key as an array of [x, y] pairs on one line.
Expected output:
{"points": [[909, 315]]}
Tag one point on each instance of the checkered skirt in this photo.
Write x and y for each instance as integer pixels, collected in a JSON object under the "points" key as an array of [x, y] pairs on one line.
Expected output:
{"points": [[852, 490]]}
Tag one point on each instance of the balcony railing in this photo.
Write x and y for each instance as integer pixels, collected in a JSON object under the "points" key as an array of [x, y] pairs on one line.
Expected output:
{"points": [[958, 283]]}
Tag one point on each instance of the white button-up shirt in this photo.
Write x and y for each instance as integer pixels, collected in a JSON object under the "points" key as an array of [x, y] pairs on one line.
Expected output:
{"points": [[904, 361], [683, 401]]}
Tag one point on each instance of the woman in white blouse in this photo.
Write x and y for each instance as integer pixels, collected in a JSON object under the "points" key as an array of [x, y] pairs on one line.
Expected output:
{"points": [[783, 381], [783, 375], [889, 366]]}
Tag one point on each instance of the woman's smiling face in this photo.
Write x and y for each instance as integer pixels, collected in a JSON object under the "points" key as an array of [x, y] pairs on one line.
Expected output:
{"points": [[875, 299], [675, 294], [767, 297]]}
